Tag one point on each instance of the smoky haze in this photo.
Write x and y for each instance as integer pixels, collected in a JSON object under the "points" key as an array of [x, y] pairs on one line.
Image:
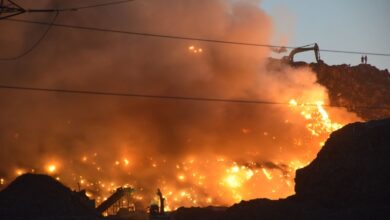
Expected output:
{"points": [[38, 127]]}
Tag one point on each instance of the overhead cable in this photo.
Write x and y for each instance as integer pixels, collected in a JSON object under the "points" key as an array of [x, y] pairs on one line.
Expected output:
{"points": [[187, 38], [34, 45], [168, 97]]}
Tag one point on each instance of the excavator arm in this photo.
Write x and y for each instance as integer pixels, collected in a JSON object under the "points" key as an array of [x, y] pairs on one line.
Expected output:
{"points": [[315, 48]]}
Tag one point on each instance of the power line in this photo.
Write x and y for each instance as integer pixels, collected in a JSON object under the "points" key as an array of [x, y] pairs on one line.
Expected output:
{"points": [[176, 37], [137, 95], [355, 52], [35, 44], [144, 34], [166, 97], [15, 9], [100, 5]]}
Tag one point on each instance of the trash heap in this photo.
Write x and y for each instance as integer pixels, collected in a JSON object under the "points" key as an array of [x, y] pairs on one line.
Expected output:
{"points": [[35, 196]]}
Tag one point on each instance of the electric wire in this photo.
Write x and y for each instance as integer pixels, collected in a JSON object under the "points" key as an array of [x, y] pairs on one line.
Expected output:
{"points": [[167, 97], [187, 38], [21, 10], [50, 25], [35, 45], [98, 5], [144, 33]]}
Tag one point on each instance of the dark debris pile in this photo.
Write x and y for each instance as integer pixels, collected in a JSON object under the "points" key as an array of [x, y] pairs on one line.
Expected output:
{"points": [[34, 196]]}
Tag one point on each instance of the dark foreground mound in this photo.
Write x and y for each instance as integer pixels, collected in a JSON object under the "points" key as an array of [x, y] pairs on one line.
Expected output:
{"points": [[349, 179], [33, 196], [351, 169]]}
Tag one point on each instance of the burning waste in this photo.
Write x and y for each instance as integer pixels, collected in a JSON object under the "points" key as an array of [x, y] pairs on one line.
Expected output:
{"points": [[197, 153]]}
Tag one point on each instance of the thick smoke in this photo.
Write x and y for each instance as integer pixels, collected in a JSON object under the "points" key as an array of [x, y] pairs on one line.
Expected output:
{"points": [[38, 128]]}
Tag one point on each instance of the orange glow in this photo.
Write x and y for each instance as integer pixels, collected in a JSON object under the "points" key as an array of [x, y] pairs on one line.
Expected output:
{"points": [[233, 181], [20, 172], [51, 168], [266, 173], [203, 180], [293, 102], [318, 121], [195, 50]]}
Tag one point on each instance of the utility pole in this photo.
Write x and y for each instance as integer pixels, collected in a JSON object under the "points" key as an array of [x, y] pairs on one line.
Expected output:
{"points": [[9, 8]]}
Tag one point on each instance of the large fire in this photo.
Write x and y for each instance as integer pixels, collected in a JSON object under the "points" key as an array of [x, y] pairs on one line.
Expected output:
{"points": [[197, 153], [206, 179]]}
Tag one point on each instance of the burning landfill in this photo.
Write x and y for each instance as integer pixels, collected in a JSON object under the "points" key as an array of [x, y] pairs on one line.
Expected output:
{"points": [[197, 153], [205, 178]]}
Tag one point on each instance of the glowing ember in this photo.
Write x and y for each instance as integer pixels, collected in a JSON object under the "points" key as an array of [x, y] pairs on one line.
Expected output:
{"points": [[317, 117], [20, 172], [266, 173], [293, 102], [181, 177], [194, 49], [51, 168], [233, 181]]}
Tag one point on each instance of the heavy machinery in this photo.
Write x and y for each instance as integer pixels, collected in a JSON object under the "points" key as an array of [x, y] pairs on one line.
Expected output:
{"points": [[315, 48], [119, 207], [114, 198], [158, 213]]}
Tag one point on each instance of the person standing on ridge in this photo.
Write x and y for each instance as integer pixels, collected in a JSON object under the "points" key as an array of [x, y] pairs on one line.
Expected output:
{"points": [[365, 59], [362, 59]]}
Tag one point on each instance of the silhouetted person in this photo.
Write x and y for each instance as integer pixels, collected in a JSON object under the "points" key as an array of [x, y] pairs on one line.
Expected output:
{"points": [[365, 59], [362, 59]]}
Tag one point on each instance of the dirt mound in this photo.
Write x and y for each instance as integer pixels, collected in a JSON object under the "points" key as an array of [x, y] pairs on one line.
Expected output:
{"points": [[196, 213], [33, 196], [351, 169]]}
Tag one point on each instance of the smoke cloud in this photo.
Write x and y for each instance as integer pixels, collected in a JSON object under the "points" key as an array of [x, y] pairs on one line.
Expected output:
{"points": [[92, 137]]}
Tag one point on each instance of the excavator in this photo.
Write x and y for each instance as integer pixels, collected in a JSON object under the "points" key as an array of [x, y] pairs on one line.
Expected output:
{"points": [[315, 48]]}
